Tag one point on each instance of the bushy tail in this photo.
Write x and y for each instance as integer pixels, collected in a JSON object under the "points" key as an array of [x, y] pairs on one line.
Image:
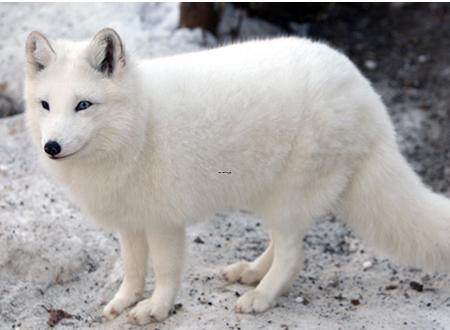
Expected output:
{"points": [[387, 203]]}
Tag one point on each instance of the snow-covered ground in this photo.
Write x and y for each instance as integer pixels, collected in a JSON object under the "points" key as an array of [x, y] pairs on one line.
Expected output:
{"points": [[51, 257]]}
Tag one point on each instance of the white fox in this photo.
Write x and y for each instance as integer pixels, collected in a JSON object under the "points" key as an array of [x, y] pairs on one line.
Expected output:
{"points": [[142, 145]]}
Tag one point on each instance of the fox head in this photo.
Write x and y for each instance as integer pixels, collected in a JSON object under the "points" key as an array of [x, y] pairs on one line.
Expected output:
{"points": [[80, 96]]}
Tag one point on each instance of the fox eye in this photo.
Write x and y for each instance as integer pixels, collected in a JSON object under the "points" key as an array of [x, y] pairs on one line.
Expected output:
{"points": [[83, 105], [45, 105]]}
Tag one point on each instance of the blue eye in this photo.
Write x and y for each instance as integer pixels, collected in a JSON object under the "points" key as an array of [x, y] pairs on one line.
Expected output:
{"points": [[83, 105]]}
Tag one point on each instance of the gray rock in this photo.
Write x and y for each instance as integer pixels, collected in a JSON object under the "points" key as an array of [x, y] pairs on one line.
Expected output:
{"points": [[6, 106]]}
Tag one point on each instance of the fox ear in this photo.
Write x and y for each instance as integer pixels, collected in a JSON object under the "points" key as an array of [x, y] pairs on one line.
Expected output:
{"points": [[106, 52], [39, 52]]}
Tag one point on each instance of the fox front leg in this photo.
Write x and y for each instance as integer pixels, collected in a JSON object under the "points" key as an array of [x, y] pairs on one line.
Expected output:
{"points": [[134, 250], [167, 253]]}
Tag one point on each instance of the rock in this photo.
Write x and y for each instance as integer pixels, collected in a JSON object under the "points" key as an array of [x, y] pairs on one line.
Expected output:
{"points": [[416, 286], [6, 106], [56, 315], [422, 58], [204, 15], [367, 264], [371, 65], [198, 240]]}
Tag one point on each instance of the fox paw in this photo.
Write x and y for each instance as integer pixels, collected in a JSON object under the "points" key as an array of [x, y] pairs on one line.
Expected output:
{"points": [[116, 306], [252, 301], [242, 272], [148, 311]]}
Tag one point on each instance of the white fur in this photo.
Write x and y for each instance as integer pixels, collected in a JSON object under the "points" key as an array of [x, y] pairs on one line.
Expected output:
{"points": [[300, 129]]}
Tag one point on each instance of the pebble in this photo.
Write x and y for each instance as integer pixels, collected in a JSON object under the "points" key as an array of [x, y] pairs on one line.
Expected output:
{"points": [[6, 106], [371, 65], [352, 244], [367, 264], [422, 58], [299, 299], [416, 286], [198, 240]]}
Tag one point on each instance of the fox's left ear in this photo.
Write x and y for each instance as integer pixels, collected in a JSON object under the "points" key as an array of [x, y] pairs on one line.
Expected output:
{"points": [[106, 52]]}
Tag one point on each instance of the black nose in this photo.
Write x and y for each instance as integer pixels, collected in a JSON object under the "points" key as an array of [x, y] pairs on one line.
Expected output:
{"points": [[52, 148]]}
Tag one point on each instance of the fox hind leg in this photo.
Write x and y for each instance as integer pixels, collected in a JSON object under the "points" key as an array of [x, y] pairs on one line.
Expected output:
{"points": [[287, 220], [287, 263], [250, 272]]}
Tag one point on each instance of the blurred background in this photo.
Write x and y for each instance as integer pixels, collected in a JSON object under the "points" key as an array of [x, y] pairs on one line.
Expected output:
{"points": [[51, 256]]}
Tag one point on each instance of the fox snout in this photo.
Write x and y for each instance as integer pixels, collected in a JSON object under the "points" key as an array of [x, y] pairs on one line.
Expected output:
{"points": [[52, 148], [63, 147]]}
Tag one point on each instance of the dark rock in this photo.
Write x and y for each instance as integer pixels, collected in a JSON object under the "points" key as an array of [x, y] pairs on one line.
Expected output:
{"points": [[6, 106], [198, 240], [416, 286], [204, 15]]}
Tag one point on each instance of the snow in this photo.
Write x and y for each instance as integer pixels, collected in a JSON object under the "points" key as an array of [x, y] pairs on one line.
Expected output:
{"points": [[51, 256]]}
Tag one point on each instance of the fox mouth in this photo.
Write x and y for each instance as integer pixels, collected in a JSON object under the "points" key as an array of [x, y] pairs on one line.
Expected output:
{"points": [[68, 155], [62, 157]]}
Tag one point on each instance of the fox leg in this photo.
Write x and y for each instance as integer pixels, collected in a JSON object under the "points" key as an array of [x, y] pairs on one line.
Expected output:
{"points": [[287, 263], [134, 252], [167, 252], [250, 272], [287, 223]]}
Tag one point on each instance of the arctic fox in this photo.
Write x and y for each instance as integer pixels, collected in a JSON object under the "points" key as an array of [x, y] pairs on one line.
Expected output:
{"points": [[142, 145]]}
